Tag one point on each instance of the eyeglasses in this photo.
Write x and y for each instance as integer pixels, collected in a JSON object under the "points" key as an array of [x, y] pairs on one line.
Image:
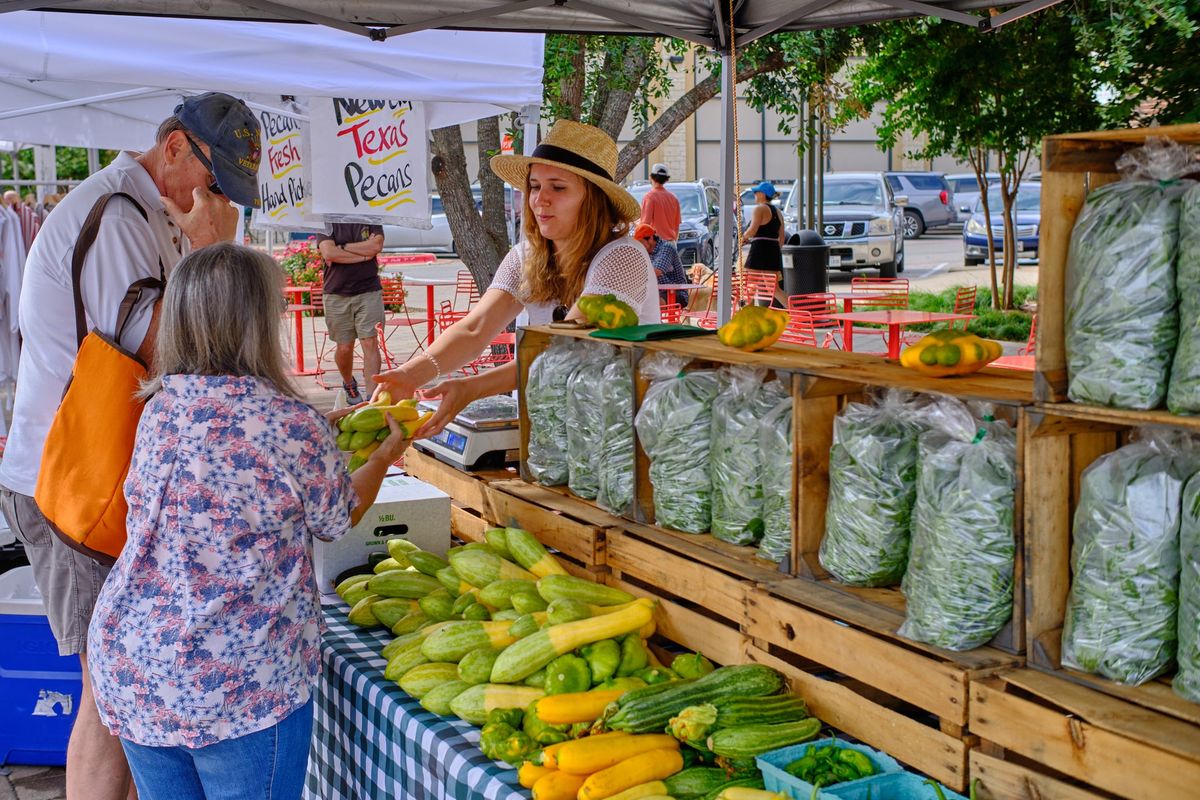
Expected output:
{"points": [[213, 187]]}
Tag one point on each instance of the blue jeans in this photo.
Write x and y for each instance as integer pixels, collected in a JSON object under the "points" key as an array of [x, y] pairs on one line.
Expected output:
{"points": [[267, 765]]}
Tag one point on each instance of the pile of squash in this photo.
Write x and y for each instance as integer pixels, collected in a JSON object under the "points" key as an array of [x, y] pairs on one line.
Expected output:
{"points": [[556, 671]]}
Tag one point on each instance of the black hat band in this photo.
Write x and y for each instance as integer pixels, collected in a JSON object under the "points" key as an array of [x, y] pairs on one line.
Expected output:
{"points": [[563, 156]]}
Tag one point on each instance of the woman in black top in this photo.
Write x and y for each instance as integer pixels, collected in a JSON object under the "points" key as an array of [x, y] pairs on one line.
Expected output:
{"points": [[765, 233]]}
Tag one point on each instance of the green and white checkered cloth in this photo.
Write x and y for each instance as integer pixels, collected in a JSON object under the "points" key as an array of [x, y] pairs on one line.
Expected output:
{"points": [[371, 741]]}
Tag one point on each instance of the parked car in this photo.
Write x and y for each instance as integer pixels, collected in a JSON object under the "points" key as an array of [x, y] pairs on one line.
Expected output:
{"points": [[863, 222], [930, 201], [1027, 211], [699, 208], [965, 188], [439, 239]]}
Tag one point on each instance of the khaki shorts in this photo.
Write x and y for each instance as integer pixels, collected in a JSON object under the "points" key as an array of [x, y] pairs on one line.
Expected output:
{"points": [[354, 316], [68, 580]]}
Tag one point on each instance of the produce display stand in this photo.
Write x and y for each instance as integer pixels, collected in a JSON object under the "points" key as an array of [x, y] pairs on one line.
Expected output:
{"points": [[371, 740]]}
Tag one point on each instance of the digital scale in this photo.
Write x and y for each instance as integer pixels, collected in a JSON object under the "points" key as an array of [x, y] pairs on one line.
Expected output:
{"points": [[484, 435]]}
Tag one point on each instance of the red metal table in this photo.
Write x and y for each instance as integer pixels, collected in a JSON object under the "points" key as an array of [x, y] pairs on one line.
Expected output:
{"points": [[1023, 363], [672, 288], [894, 320], [429, 284], [298, 310]]}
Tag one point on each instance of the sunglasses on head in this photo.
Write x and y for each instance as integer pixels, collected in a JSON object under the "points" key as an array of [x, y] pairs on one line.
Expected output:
{"points": [[213, 187]]}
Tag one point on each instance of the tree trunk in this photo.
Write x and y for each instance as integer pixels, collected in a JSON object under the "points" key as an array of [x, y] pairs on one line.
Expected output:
{"points": [[674, 116], [977, 162], [494, 220], [474, 246], [570, 88], [613, 102]]}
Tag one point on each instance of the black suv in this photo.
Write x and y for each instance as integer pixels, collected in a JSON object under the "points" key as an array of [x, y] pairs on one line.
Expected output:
{"points": [[699, 208]]}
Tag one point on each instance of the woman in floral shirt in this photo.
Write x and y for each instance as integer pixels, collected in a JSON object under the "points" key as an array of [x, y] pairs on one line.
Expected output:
{"points": [[203, 645]]}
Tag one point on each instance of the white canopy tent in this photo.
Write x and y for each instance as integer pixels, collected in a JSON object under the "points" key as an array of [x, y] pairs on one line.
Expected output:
{"points": [[106, 81]]}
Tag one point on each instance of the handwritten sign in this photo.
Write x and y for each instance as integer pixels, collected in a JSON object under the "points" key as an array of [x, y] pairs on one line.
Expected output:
{"points": [[284, 177], [369, 160]]}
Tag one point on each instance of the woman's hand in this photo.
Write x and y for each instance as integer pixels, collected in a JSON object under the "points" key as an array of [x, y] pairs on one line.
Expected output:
{"points": [[338, 413], [455, 394], [399, 382], [393, 446]]}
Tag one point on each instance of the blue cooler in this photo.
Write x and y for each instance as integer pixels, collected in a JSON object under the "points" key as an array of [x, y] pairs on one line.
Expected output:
{"points": [[39, 689]]}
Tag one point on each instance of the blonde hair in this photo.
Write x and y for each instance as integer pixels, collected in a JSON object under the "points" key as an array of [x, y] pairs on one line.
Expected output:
{"points": [[220, 316], [552, 276]]}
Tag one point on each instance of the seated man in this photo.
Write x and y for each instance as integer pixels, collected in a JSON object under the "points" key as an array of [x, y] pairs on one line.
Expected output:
{"points": [[665, 260]]}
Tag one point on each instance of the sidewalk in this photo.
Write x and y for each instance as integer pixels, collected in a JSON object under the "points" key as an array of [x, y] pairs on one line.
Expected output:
{"points": [[33, 783]]}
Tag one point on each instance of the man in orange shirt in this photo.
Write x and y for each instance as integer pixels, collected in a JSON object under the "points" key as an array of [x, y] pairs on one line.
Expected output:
{"points": [[660, 208]]}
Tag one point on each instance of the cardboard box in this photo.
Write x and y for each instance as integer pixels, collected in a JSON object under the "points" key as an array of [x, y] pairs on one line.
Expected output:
{"points": [[405, 507]]}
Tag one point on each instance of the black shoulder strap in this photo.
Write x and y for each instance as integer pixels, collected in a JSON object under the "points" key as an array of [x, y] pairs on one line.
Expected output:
{"points": [[87, 237]]}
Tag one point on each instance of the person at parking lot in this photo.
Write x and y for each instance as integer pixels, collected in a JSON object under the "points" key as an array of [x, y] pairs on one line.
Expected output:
{"points": [[576, 242], [766, 235], [665, 260], [660, 208], [353, 298]]}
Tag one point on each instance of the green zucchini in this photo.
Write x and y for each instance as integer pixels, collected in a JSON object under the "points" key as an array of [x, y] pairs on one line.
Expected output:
{"points": [[361, 614], [476, 611], [461, 602], [474, 704], [353, 580], [564, 609], [438, 699], [499, 594], [402, 583], [750, 741], [386, 565], [510, 614], [390, 610], [451, 582], [482, 567], [437, 605], [399, 549], [410, 622], [553, 587], [733, 711], [459, 638], [405, 658], [529, 602], [395, 644], [496, 540], [696, 780], [427, 563], [476, 666], [644, 711], [523, 626], [357, 592], [422, 678]]}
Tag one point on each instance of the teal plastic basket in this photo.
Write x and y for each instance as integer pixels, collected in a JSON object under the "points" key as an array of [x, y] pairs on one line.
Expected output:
{"points": [[777, 779], [892, 786]]}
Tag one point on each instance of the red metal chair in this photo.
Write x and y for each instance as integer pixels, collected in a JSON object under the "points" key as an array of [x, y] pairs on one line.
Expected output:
{"points": [[800, 329], [465, 287], [759, 287], [964, 303], [396, 317], [708, 317], [1030, 347], [884, 293], [819, 305], [670, 312]]}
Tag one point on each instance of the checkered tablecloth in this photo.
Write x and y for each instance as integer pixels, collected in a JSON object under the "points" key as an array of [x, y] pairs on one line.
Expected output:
{"points": [[371, 741]]}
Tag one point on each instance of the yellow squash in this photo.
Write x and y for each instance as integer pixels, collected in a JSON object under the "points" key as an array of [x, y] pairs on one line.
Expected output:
{"points": [[754, 328], [594, 753], [950, 352], [651, 765]]}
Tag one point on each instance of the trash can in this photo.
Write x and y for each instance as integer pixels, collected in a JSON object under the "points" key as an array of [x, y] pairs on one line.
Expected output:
{"points": [[806, 264]]}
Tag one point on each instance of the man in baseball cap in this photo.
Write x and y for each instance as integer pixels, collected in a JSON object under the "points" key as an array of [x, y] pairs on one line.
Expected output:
{"points": [[228, 127], [660, 208]]}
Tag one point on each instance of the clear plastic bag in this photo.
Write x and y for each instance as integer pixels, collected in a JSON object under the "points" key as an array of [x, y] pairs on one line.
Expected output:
{"points": [[1183, 396], [546, 405], [1122, 321], [674, 426], [872, 489], [1121, 612], [775, 437], [1187, 681], [617, 459], [736, 453], [959, 579], [585, 418]]}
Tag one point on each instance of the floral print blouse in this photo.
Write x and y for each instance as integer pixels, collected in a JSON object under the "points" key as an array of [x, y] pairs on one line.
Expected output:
{"points": [[207, 627]]}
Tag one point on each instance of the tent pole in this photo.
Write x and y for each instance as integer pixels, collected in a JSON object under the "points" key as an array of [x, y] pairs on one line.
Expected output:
{"points": [[728, 193], [530, 116]]}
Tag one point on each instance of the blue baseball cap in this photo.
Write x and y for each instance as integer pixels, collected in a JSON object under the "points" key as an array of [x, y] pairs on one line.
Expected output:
{"points": [[767, 188], [230, 130]]}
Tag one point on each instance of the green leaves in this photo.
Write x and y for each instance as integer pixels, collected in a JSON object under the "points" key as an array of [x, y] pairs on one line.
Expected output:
{"points": [[1183, 395]]}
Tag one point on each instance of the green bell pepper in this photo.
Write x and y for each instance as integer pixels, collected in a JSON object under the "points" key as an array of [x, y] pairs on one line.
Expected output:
{"points": [[567, 673], [691, 665], [634, 657], [603, 657]]}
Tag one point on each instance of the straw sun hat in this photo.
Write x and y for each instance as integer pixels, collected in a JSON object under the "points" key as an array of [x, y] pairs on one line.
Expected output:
{"points": [[582, 149]]}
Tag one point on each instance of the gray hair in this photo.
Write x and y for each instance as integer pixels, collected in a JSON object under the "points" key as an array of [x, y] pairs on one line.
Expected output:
{"points": [[220, 316], [167, 127]]}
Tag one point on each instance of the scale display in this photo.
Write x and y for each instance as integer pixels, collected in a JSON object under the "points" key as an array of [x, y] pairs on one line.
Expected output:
{"points": [[484, 435], [452, 441]]}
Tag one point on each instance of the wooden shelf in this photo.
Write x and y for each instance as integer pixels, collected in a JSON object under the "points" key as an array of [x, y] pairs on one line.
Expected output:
{"points": [[1115, 418]]}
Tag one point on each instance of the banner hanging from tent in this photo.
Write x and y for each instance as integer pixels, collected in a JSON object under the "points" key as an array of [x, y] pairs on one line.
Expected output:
{"points": [[369, 160], [284, 176]]}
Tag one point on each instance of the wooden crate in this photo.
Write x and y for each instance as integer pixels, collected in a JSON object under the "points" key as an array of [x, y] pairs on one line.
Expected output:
{"points": [[564, 523], [818, 401], [1072, 164], [1063, 440], [1080, 741], [468, 489]]}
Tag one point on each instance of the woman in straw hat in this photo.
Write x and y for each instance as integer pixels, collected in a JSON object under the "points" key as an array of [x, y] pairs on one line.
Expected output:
{"points": [[576, 242]]}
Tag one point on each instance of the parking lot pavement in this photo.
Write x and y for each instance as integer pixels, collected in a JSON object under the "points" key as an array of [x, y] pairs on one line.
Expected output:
{"points": [[935, 262]]}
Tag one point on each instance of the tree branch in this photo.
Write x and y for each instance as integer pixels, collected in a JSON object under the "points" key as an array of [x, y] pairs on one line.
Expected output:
{"points": [[492, 188], [657, 132], [475, 247], [610, 116]]}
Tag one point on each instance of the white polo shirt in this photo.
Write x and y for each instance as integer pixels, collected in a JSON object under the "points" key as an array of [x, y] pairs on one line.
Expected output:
{"points": [[127, 249]]}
